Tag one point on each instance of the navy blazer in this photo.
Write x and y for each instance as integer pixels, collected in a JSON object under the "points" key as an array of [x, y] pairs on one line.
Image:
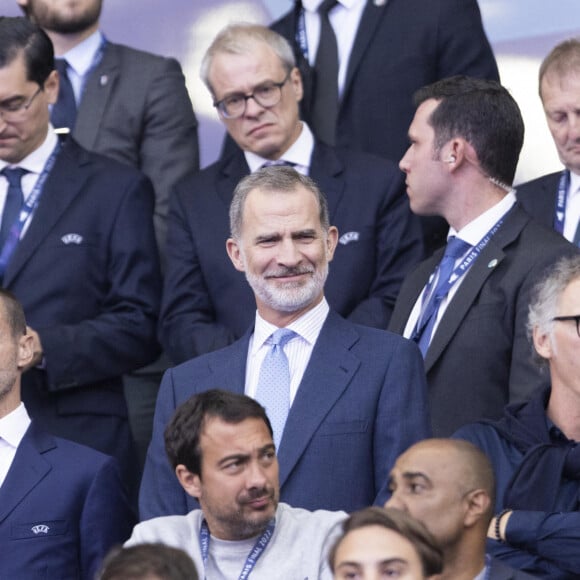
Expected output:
{"points": [[62, 507], [207, 304], [480, 358], [400, 46], [361, 402], [135, 108], [538, 198], [87, 275]]}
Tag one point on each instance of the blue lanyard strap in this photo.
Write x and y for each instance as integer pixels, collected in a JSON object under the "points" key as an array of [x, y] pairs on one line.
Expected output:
{"points": [[27, 210], [561, 200], [254, 555], [301, 38], [459, 271]]}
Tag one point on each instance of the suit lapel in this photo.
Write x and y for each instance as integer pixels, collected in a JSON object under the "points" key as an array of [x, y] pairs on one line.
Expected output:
{"points": [[28, 469], [488, 260], [231, 376], [231, 170], [61, 187], [326, 170], [329, 372], [95, 97]]}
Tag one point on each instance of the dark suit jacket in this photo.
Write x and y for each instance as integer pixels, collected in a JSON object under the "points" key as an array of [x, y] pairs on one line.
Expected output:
{"points": [[135, 108], [62, 507], [500, 571], [208, 304], [400, 46], [360, 404], [538, 198], [87, 275], [480, 358]]}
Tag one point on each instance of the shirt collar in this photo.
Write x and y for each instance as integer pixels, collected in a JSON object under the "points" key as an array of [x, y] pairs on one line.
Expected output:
{"points": [[82, 56], [299, 153], [14, 425], [574, 184], [475, 230], [34, 162], [308, 326]]}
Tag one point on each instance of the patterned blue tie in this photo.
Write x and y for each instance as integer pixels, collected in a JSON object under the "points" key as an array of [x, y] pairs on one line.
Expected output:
{"points": [[456, 247], [14, 200], [273, 391], [64, 111]]}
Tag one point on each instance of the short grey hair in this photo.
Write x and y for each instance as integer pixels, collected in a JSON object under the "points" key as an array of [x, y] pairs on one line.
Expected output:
{"points": [[274, 179], [563, 60], [545, 295], [241, 38]]}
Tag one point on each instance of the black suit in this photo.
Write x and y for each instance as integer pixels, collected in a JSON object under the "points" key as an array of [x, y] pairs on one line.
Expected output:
{"points": [[480, 358], [207, 304], [538, 198]]}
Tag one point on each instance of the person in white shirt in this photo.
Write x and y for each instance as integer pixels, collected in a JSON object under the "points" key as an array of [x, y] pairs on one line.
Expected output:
{"points": [[221, 446]]}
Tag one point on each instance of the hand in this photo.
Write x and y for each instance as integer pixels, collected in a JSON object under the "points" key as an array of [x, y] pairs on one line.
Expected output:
{"points": [[37, 352]]}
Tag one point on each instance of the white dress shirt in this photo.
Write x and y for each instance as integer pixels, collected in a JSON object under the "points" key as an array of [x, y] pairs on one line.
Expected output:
{"points": [[298, 349], [344, 19], [472, 233], [299, 153], [572, 207], [12, 429]]}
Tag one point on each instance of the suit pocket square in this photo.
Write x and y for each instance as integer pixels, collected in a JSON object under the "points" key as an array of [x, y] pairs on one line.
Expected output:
{"points": [[72, 239], [38, 529], [348, 238]]}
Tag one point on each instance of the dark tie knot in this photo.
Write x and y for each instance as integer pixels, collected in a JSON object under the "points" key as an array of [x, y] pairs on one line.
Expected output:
{"points": [[14, 175], [61, 66], [327, 6], [281, 336]]}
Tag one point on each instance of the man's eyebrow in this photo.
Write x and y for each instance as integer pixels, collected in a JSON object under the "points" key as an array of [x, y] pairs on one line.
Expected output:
{"points": [[415, 475], [234, 457], [267, 238], [307, 233]]}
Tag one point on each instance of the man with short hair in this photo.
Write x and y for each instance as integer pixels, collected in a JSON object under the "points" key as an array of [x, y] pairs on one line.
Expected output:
{"points": [[62, 505], [466, 306], [78, 250], [554, 199], [344, 400], [220, 445], [256, 87], [534, 447], [449, 486]]}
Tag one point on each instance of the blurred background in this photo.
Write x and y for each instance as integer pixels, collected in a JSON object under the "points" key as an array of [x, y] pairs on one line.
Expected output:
{"points": [[521, 33]]}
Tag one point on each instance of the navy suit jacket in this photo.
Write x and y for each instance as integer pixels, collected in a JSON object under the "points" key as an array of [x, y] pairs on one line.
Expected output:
{"points": [[361, 402], [135, 108], [480, 358], [62, 507], [500, 571], [87, 275], [400, 46], [538, 198], [207, 304]]}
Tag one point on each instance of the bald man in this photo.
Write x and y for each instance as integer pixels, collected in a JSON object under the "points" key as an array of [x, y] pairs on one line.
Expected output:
{"points": [[449, 486]]}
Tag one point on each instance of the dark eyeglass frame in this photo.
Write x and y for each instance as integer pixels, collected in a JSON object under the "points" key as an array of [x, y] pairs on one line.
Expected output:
{"points": [[221, 105], [15, 114], [575, 318]]}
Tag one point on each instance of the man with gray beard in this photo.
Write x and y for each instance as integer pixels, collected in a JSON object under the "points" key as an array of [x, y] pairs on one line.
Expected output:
{"points": [[343, 399]]}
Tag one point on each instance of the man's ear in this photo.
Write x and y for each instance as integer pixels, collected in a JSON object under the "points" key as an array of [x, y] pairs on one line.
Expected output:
{"points": [[478, 505], [543, 343], [25, 351], [331, 242], [235, 254], [190, 482]]}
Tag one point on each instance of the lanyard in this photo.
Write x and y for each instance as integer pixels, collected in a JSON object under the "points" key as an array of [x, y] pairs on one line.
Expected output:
{"points": [[455, 275], [561, 199], [301, 39], [253, 556], [27, 210]]}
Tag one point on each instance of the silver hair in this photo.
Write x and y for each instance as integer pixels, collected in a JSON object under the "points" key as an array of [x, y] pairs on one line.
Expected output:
{"points": [[274, 179], [241, 38], [546, 294]]}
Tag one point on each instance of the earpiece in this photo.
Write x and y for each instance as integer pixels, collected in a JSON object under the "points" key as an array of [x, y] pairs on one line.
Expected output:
{"points": [[452, 159]]}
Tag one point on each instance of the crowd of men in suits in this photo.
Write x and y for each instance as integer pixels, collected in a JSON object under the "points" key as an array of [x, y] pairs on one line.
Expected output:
{"points": [[269, 279]]}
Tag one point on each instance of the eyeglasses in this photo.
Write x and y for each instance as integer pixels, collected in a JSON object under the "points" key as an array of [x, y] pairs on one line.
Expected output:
{"points": [[266, 95], [576, 319], [15, 109]]}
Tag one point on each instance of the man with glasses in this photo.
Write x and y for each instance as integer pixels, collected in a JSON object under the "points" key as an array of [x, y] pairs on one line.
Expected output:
{"points": [[256, 88], [534, 447], [78, 250]]}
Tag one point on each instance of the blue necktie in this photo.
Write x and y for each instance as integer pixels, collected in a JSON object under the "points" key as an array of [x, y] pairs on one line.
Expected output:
{"points": [[456, 247], [64, 111], [14, 200], [273, 391]]}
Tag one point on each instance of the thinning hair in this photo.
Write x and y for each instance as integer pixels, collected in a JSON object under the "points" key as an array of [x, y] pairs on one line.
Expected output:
{"points": [[546, 295], [242, 38], [184, 431], [19, 36], [273, 180], [429, 552], [484, 114], [563, 60], [148, 562]]}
